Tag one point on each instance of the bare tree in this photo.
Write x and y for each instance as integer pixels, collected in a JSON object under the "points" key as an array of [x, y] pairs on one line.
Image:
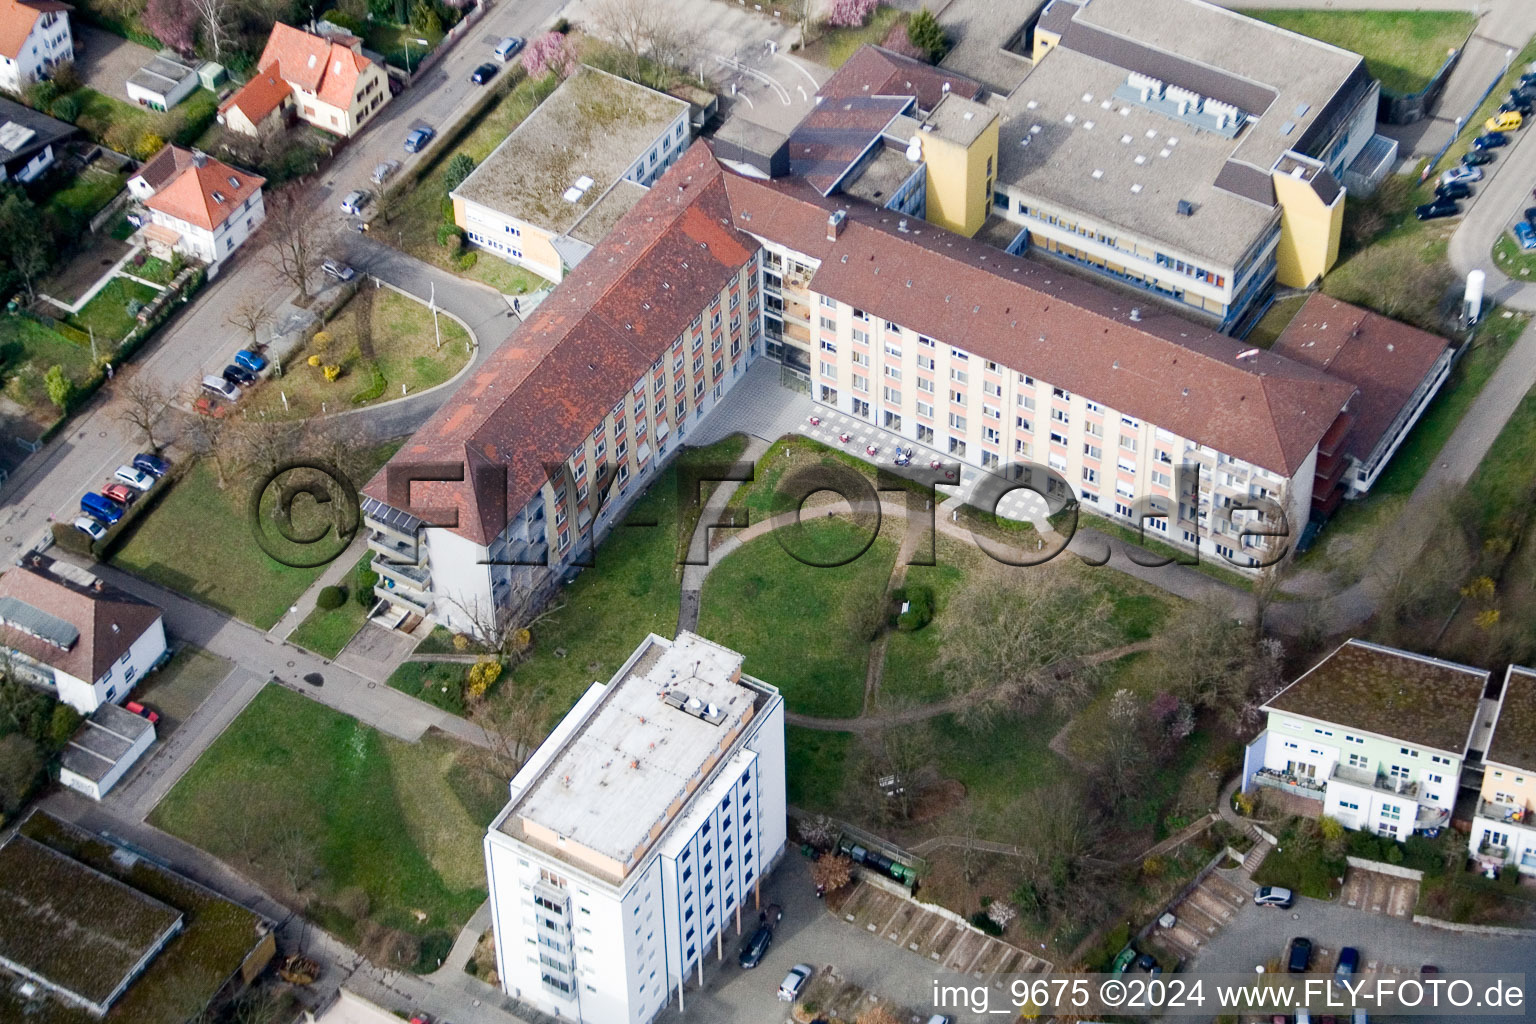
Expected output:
{"points": [[1213, 661], [832, 871], [294, 245], [143, 403], [250, 315], [1018, 641], [642, 31], [215, 16], [902, 757], [514, 724], [1060, 867], [204, 436]]}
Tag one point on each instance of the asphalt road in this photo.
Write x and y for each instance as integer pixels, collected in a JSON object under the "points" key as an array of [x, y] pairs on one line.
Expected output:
{"points": [[49, 484]]}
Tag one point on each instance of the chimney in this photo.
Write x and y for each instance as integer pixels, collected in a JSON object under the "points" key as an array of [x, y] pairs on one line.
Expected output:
{"points": [[98, 585], [1135, 314], [835, 222], [199, 158]]}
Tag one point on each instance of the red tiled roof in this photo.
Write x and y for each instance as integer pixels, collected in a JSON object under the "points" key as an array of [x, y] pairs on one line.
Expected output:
{"points": [[203, 192], [1035, 318], [325, 68], [264, 93], [580, 352], [16, 20], [109, 619], [876, 71], [1385, 359], [828, 140]]}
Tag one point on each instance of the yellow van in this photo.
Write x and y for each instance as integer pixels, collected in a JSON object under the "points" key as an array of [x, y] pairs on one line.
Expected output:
{"points": [[1507, 121]]}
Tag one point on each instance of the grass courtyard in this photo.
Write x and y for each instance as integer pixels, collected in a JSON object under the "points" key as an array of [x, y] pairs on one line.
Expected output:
{"points": [[405, 351], [27, 350], [327, 631], [366, 831], [197, 540], [107, 313], [1514, 261], [1402, 49]]}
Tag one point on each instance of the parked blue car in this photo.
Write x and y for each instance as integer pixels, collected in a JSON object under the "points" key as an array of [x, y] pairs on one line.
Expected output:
{"points": [[1525, 234], [417, 140], [248, 360], [101, 509], [154, 465]]}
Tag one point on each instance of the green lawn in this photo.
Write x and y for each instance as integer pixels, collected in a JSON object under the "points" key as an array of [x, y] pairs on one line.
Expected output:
{"points": [[1301, 866], [181, 685], [313, 804], [106, 118], [815, 767], [1510, 258], [107, 312], [405, 351], [802, 628], [833, 46], [152, 269], [1504, 479], [198, 540], [909, 676], [27, 350], [633, 589], [85, 196], [414, 228], [327, 632], [440, 683], [1402, 49], [1274, 321]]}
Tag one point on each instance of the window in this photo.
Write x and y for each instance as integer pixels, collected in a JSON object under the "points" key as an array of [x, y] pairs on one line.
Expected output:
{"points": [[1093, 451], [828, 324], [924, 409], [958, 376], [925, 385], [924, 434], [924, 362], [860, 358], [893, 396], [893, 372], [860, 382], [828, 369], [1359, 761], [958, 397], [828, 395], [1062, 394], [827, 346], [1023, 424], [957, 421]]}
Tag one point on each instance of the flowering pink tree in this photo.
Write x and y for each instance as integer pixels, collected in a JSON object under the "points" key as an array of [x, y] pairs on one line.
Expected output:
{"points": [[549, 52], [851, 13], [173, 22]]}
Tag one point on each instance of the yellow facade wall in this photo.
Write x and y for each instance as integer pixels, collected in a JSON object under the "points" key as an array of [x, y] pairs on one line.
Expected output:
{"points": [[1501, 780], [960, 180], [1309, 232], [1045, 42]]}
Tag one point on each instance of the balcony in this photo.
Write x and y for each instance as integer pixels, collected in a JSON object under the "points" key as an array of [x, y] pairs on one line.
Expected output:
{"points": [[1506, 814], [1301, 785], [387, 590], [393, 545], [1375, 780], [413, 577]]}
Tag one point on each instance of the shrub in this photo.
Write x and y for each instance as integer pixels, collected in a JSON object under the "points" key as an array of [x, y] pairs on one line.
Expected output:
{"points": [[65, 108], [926, 34], [313, 360], [148, 145], [851, 13], [60, 388], [461, 166], [331, 598], [367, 579], [344, 20], [332, 372], [424, 18], [376, 385], [919, 602], [449, 236], [563, 25], [467, 259], [173, 22], [65, 77], [62, 724], [482, 674], [40, 95]]}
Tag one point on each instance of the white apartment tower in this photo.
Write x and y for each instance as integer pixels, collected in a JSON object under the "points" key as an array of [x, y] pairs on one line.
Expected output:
{"points": [[635, 833]]}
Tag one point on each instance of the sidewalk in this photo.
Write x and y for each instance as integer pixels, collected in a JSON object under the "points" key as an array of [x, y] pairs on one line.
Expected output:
{"points": [[338, 572]]}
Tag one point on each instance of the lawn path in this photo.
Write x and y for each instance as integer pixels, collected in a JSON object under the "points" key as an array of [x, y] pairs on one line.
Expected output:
{"points": [[877, 649]]}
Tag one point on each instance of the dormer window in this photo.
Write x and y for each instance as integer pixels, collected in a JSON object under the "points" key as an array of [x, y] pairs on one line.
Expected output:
{"points": [[312, 60], [218, 197], [234, 182]]}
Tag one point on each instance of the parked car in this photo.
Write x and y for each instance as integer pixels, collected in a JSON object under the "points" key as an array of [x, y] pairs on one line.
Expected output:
{"points": [[508, 48], [1438, 208], [221, 387], [142, 711], [354, 201], [120, 493], [237, 374], [1463, 173], [794, 982], [384, 171], [1525, 235], [1453, 190], [154, 465], [1298, 957], [1428, 969], [1523, 93], [1347, 966], [484, 73], [206, 406], [416, 140], [340, 271], [756, 948], [1472, 158], [90, 527], [1148, 963], [100, 509], [1503, 121], [135, 478], [1516, 105], [1273, 896], [1492, 140], [253, 361]]}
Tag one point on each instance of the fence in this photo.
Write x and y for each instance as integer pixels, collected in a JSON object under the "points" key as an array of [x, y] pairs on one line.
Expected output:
{"points": [[1382, 868], [452, 36], [110, 212], [1461, 122]]}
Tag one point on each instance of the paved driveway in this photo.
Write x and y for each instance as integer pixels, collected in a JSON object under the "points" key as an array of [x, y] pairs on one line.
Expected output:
{"points": [[106, 61]]}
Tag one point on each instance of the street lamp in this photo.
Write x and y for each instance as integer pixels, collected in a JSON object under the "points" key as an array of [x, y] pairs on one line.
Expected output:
{"points": [[419, 42]]}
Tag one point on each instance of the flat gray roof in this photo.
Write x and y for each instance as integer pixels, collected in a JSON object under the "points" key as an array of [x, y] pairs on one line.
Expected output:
{"points": [[881, 177], [959, 120], [592, 128], [605, 213], [612, 785], [102, 741], [1075, 127], [978, 32]]}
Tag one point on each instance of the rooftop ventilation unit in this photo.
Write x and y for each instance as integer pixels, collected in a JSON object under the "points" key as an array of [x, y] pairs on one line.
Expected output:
{"points": [[1184, 99], [1224, 113], [693, 706], [1146, 85], [1186, 208]]}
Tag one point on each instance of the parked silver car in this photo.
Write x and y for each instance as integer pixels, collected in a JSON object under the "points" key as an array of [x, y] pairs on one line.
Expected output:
{"points": [[384, 171]]}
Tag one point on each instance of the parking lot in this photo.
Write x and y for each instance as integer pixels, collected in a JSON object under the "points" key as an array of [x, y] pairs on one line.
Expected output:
{"points": [[1376, 893], [1203, 914], [952, 946]]}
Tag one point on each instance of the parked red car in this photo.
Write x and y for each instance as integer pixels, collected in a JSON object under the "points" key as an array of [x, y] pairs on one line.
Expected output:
{"points": [[143, 712], [120, 493]]}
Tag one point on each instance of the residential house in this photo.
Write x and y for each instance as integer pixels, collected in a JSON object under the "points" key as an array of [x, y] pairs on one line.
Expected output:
{"points": [[69, 632], [555, 186], [198, 206], [334, 86], [1504, 824], [1373, 736], [27, 141], [34, 36], [636, 832], [260, 107]]}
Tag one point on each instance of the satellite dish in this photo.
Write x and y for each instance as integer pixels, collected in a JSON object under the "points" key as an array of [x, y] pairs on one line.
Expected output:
{"points": [[915, 149]]}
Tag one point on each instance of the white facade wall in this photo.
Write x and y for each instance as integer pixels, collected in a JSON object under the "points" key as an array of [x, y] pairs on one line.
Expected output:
{"points": [[1519, 841], [989, 415], [668, 923], [218, 244], [96, 789], [49, 43], [157, 99], [28, 171]]}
